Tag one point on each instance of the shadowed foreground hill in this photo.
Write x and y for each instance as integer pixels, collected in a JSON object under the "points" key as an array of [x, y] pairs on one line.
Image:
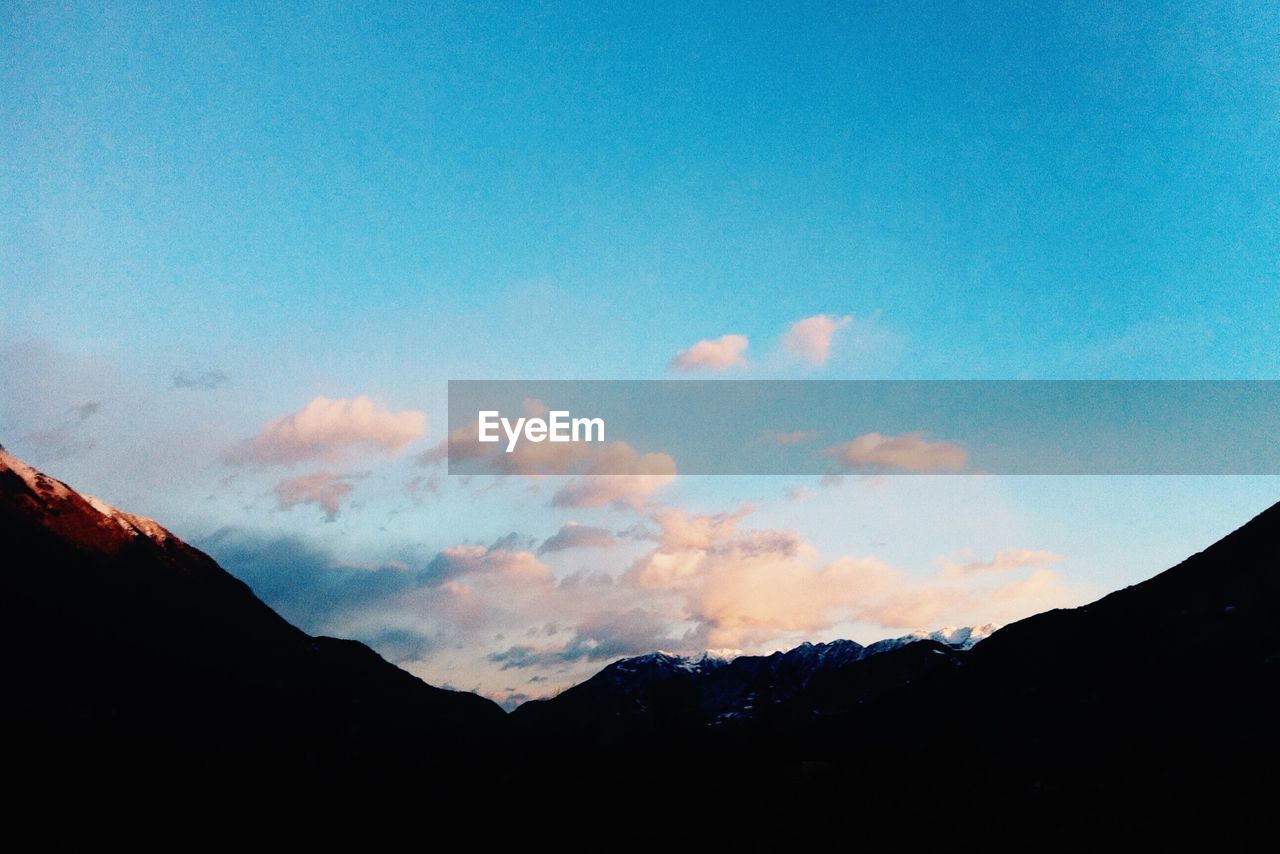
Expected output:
{"points": [[126, 645], [1164, 692], [127, 648]]}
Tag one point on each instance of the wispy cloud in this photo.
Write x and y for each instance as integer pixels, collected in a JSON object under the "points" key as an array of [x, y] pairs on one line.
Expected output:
{"points": [[1005, 560], [794, 437], [325, 489], [573, 535], [908, 452], [205, 380], [67, 439]]}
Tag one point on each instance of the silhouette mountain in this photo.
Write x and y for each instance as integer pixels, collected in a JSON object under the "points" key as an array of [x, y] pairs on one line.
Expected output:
{"points": [[670, 697], [128, 646]]}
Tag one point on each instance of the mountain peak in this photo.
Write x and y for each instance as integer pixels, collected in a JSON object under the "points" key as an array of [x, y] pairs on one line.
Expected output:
{"points": [[86, 520], [189, 669]]}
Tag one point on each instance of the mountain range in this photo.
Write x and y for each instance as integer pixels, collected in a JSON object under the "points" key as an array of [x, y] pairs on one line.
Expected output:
{"points": [[128, 648]]}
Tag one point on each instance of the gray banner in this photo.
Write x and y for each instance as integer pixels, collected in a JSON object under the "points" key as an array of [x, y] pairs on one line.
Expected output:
{"points": [[780, 427]]}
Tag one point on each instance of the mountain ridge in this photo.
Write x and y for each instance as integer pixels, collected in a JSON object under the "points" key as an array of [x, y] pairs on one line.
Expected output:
{"points": [[1165, 692], [169, 644]]}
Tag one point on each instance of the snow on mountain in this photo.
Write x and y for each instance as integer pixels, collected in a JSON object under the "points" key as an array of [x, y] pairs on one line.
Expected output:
{"points": [[806, 656], [962, 638], [128, 521], [661, 660], [54, 494]]}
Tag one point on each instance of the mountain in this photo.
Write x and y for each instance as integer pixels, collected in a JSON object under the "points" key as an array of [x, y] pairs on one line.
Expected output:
{"points": [[667, 697], [1162, 696], [126, 645], [125, 648]]}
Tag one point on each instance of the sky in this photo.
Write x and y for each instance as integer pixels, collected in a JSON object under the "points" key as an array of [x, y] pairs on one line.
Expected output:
{"points": [[244, 248]]}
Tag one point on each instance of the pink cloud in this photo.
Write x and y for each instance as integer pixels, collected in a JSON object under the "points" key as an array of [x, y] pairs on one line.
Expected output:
{"points": [[810, 339], [611, 474], [618, 490], [618, 475], [329, 430], [521, 566], [325, 489], [718, 354], [679, 530], [748, 587], [908, 452]]}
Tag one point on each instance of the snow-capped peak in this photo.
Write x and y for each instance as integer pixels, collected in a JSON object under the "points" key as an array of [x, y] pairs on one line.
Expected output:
{"points": [[128, 521], [964, 637], [960, 638], [51, 493], [704, 661]]}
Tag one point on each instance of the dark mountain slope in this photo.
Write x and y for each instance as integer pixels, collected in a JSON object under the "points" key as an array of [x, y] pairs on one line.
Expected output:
{"points": [[1165, 692], [126, 645]]}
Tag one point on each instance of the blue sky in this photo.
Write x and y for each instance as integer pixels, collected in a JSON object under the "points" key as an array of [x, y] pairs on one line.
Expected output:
{"points": [[313, 200]]}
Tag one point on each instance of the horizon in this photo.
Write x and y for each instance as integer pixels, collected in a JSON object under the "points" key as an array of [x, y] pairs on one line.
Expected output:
{"points": [[247, 249]]}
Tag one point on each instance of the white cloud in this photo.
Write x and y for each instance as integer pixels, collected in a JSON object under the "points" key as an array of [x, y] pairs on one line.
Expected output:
{"points": [[718, 354], [810, 339]]}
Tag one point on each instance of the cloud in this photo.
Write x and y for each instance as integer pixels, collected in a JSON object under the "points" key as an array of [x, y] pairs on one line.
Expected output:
{"points": [[717, 354], [795, 437], [329, 430], [458, 590], [324, 488], [940, 601], [688, 543], [399, 644], [304, 583], [618, 490], [575, 536], [601, 637], [810, 339], [908, 452], [420, 487], [472, 612], [621, 477], [458, 561], [678, 530], [205, 380], [611, 474], [746, 587], [66, 439], [84, 411], [1005, 560], [624, 491]]}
